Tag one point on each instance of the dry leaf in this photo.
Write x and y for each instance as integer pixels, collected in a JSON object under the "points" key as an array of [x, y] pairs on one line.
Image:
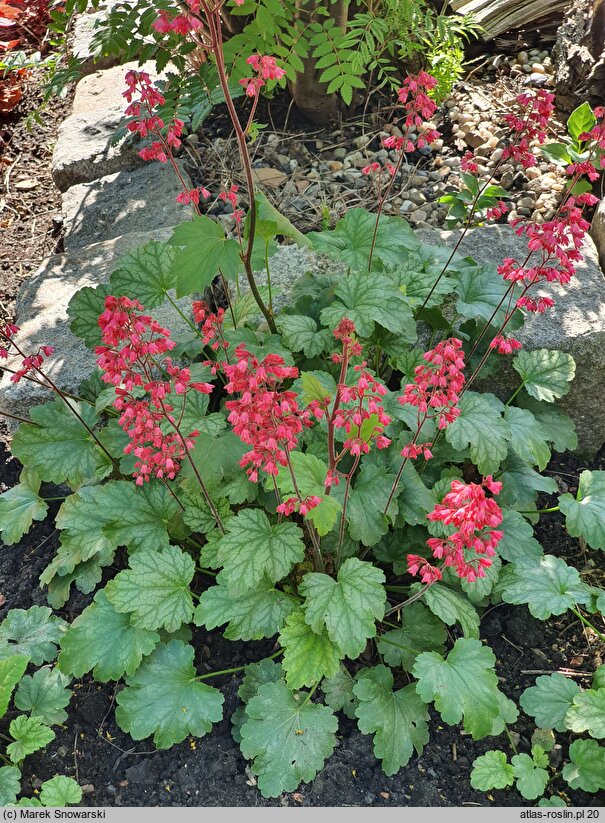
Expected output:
{"points": [[269, 177], [26, 185]]}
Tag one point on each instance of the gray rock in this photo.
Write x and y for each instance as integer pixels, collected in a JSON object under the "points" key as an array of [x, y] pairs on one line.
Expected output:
{"points": [[576, 324], [84, 153], [41, 313], [81, 45], [597, 231], [129, 201], [105, 89]]}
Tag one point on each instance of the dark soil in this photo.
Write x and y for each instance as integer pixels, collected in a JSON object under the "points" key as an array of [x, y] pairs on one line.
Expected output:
{"points": [[113, 769], [30, 205]]}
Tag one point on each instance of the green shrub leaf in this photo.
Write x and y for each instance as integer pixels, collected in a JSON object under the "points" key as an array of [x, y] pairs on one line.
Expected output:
{"points": [[587, 768], [11, 672], [255, 614], [19, 507], [29, 735], [585, 515], [300, 333], [103, 641], [351, 240], [453, 607], [155, 589], [463, 685], [518, 541], [310, 473], [546, 373], [145, 274], [420, 632], [527, 436], [34, 632], [482, 427], [531, 778], [164, 699], [288, 738], [547, 585], [10, 784], [203, 251], [339, 694], [58, 446], [308, 656], [369, 300], [492, 771], [397, 719], [276, 549], [348, 607], [549, 700], [60, 791], [44, 695], [587, 713]]}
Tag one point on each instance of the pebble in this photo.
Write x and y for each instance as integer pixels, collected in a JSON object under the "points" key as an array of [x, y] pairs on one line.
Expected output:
{"points": [[537, 79], [335, 165], [340, 154], [407, 205], [526, 68], [538, 67], [417, 197], [522, 57]]}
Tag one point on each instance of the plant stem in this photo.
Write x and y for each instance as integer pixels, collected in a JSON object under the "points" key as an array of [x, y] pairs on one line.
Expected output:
{"points": [[310, 694], [514, 394], [510, 739], [540, 511], [411, 599], [343, 514], [235, 668], [587, 623], [206, 571]]}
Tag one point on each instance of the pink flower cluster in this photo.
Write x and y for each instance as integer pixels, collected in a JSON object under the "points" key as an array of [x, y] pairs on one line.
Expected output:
{"points": [[419, 108], [132, 342], [145, 122], [266, 69], [437, 385], [31, 362], [212, 325], [537, 108], [469, 549], [505, 345], [293, 504], [265, 416], [363, 398]]}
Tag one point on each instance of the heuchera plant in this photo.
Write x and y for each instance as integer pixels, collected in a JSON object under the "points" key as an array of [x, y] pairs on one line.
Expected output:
{"points": [[327, 477]]}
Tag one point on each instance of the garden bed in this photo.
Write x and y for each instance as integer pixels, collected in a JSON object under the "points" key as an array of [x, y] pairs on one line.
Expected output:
{"points": [[114, 770]]}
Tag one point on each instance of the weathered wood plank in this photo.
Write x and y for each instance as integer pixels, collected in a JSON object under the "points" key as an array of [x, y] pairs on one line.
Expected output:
{"points": [[498, 16]]}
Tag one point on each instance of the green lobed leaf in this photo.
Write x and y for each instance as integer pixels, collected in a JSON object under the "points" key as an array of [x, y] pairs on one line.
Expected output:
{"points": [[547, 585], [480, 292], [19, 507], [521, 484], [270, 222], [308, 656], [507, 715], [549, 699], [103, 641], [287, 736], [348, 607], [203, 251], [368, 300], [300, 333], [33, 632], [479, 590], [581, 120], [585, 515], [587, 767], [518, 541], [482, 427], [155, 589], [197, 514], [546, 373], [398, 719], [255, 614], [276, 548], [351, 239], [587, 713], [60, 791], [145, 274], [527, 436], [463, 685], [598, 678], [531, 778], [492, 771], [420, 632], [84, 309], [339, 694], [557, 426], [29, 734], [58, 446], [414, 499], [552, 801], [10, 784], [164, 699], [453, 607], [44, 695], [367, 500], [310, 473], [11, 671]]}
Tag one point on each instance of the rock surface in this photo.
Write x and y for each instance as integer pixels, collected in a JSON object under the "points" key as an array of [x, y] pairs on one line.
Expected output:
{"points": [[83, 151], [42, 316], [138, 200], [597, 231]]}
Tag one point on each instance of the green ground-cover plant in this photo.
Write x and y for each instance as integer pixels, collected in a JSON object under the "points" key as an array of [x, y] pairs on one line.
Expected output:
{"points": [[31, 637], [327, 476]]}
